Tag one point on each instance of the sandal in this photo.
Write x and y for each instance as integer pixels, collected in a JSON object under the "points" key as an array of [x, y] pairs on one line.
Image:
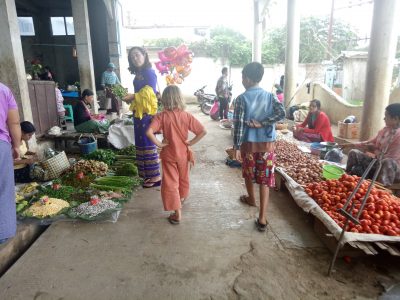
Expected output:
{"points": [[149, 184], [261, 227], [173, 220], [245, 199]]}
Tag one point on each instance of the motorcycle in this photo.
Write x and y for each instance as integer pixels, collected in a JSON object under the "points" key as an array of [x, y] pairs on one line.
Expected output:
{"points": [[206, 101]]}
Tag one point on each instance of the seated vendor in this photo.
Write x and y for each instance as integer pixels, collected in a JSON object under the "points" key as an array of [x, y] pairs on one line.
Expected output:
{"points": [[316, 127], [22, 165], [83, 120], [385, 143]]}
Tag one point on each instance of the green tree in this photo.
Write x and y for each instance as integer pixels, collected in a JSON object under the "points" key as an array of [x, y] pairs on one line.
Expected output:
{"points": [[165, 42], [230, 46], [313, 41]]}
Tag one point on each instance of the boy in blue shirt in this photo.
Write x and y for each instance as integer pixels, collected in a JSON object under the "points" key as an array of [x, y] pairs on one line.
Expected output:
{"points": [[256, 112]]}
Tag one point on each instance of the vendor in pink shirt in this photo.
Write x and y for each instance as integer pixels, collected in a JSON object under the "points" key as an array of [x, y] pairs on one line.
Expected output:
{"points": [[388, 137]]}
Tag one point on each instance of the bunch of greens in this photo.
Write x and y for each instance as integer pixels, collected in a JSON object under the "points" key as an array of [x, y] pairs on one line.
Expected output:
{"points": [[106, 156], [76, 180], [119, 91], [128, 169], [124, 184], [130, 150], [57, 191]]}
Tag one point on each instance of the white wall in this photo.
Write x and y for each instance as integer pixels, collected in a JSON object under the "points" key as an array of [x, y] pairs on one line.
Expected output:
{"points": [[354, 76], [206, 71]]}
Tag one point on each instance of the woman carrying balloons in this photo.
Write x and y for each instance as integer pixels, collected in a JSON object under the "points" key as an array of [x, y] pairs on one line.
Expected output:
{"points": [[144, 105]]}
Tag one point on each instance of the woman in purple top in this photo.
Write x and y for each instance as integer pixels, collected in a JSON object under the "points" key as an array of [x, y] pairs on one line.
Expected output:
{"points": [[10, 139], [146, 152]]}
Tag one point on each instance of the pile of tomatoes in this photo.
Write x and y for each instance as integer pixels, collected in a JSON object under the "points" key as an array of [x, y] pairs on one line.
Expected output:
{"points": [[381, 214]]}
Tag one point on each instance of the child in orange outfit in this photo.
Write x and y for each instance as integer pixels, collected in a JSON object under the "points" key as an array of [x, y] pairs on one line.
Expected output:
{"points": [[175, 123]]}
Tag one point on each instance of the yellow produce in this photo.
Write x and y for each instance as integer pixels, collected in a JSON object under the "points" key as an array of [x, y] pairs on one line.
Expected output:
{"points": [[29, 188], [46, 207], [19, 197]]}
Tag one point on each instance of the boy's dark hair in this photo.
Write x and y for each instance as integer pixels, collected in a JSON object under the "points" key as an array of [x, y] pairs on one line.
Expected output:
{"points": [[393, 110], [224, 70], [317, 103], [254, 71], [27, 127], [87, 92]]}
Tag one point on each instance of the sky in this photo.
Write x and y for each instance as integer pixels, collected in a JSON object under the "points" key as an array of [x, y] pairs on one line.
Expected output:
{"points": [[238, 14]]}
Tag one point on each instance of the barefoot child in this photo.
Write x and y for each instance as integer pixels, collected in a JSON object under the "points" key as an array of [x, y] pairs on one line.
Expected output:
{"points": [[256, 112], [176, 154]]}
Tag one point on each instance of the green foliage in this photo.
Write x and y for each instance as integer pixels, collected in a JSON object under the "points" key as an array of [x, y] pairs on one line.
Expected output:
{"points": [[106, 156], [229, 45], [273, 48], [313, 41], [233, 48], [119, 91], [129, 169], [165, 42]]}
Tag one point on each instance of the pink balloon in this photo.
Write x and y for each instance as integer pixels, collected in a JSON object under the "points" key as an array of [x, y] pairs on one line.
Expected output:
{"points": [[181, 49], [170, 52], [162, 57], [162, 67]]}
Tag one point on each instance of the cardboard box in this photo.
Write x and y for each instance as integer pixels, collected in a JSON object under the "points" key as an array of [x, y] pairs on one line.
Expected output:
{"points": [[353, 131], [342, 129]]}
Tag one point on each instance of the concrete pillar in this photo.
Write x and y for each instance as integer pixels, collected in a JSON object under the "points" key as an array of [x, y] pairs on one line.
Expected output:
{"points": [[292, 50], [381, 56], [113, 38], [12, 67], [257, 32], [84, 47]]}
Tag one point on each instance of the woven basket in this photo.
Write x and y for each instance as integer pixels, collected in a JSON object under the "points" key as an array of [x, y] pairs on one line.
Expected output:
{"points": [[55, 166]]}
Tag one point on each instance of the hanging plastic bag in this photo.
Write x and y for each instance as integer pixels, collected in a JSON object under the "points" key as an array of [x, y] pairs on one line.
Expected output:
{"points": [[334, 155]]}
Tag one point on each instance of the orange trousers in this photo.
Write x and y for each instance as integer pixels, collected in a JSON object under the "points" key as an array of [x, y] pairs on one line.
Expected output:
{"points": [[175, 183]]}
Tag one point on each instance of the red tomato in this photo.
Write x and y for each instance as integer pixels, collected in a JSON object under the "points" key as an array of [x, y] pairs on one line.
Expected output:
{"points": [[56, 186], [376, 216], [387, 215]]}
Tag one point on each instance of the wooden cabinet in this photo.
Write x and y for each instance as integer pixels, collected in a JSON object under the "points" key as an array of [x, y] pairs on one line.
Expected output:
{"points": [[43, 103]]}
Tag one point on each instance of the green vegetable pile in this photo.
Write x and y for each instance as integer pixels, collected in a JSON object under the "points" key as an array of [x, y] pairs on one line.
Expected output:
{"points": [[128, 169], [73, 180], [130, 150], [63, 192], [119, 91], [106, 156], [116, 183]]}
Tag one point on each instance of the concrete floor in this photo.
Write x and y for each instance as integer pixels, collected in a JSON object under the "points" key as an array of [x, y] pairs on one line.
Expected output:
{"points": [[215, 253]]}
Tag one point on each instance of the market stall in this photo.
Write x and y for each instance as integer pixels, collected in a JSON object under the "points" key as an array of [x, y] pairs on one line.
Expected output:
{"points": [[92, 188], [379, 227]]}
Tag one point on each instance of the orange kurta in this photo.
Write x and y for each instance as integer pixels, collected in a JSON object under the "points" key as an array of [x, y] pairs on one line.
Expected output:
{"points": [[175, 166]]}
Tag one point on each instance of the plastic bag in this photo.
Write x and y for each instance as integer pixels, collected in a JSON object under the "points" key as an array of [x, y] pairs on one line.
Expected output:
{"points": [[334, 155]]}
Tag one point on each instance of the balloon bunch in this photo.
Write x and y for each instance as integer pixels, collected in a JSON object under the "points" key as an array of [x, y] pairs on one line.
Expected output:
{"points": [[175, 63]]}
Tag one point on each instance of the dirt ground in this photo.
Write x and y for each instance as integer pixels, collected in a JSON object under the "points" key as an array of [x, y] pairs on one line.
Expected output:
{"points": [[215, 253]]}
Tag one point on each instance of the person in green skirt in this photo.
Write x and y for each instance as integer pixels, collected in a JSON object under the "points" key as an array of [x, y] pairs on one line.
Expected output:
{"points": [[83, 120]]}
